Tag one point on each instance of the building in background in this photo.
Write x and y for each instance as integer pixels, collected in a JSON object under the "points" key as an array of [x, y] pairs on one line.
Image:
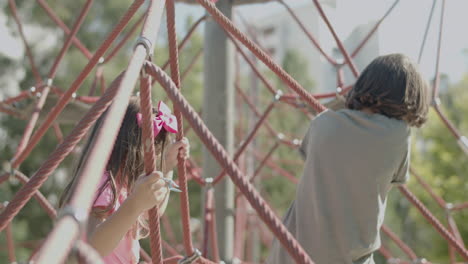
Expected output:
{"points": [[278, 33]]}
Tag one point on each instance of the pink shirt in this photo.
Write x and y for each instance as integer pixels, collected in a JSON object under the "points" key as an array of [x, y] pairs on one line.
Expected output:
{"points": [[128, 249]]}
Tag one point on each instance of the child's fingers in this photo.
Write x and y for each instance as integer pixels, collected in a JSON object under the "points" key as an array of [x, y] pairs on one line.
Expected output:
{"points": [[160, 194], [158, 185]]}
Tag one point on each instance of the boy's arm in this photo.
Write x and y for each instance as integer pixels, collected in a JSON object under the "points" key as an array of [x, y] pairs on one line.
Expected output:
{"points": [[402, 174]]}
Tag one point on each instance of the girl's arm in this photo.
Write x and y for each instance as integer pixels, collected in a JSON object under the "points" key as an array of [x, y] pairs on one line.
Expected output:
{"points": [[105, 234]]}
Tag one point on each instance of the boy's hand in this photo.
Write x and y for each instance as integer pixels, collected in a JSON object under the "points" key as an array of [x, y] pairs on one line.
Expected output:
{"points": [[177, 149]]}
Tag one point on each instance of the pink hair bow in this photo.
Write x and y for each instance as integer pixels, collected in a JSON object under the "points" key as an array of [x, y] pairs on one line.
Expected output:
{"points": [[164, 119]]}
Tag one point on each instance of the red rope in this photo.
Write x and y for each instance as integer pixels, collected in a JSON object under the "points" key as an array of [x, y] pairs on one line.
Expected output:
{"points": [[65, 29], [181, 169], [373, 30], [70, 37], [35, 71], [435, 91], [32, 122], [247, 141], [348, 59], [228, 26], [25, 193], [433, 221], [402, 245], [233, 171], [308, 34], [77, 83], [150, 164], [124, 40], [10, 243]]}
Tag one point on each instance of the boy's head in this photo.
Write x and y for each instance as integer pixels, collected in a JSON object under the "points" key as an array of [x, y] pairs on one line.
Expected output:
{"points": [[391, 85]]}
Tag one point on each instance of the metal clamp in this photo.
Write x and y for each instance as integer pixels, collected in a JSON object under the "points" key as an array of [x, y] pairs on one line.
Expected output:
{"points": [[209, 182], [189, 260], [78, 214], [278, 96], [49, 82], [280, 136], [171, 185], [448, 208], [147, 44], [297, 142], [339, 90]]}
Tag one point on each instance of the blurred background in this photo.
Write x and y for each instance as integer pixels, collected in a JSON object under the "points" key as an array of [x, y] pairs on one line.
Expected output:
{"points": [[436, 155]]}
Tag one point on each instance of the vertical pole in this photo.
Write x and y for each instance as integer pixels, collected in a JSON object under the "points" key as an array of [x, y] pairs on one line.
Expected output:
{"points": [[253, 221], [218, 114]]}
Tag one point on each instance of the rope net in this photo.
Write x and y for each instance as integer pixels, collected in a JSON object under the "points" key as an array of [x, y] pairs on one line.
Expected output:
{"points": [[66, 236]]}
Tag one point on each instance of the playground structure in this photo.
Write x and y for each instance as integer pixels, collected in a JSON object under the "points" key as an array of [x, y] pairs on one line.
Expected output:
{"points": [[66, 235]]}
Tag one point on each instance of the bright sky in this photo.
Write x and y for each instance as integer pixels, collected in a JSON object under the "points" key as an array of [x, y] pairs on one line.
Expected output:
{"points": [[402, 31]]}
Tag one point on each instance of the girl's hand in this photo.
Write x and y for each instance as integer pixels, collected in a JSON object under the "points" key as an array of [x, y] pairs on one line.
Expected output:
{"points": [[177, 149], [148, 192]]}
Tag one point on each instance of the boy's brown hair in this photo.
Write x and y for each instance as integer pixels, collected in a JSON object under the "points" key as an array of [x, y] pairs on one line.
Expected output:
{"points": [[391, 85]]}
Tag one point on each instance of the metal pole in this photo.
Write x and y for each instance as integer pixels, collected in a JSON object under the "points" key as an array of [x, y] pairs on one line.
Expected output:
{"points": [[218, 114]]}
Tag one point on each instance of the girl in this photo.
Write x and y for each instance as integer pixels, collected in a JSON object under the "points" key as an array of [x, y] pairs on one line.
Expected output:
{"points": [[352, 158], [125, 193]]}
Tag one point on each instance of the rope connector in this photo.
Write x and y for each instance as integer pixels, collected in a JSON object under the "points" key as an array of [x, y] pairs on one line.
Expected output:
{"points": [[209, 182], [448, 208], [463, 142], [420, 261], [32, 89], [436, 101], [147, 44], [278, 96], [189, 260], [79, 215], [280, 136], [49, 82], [296, 142], [74, 95], [101, 60], [339, 90]]}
